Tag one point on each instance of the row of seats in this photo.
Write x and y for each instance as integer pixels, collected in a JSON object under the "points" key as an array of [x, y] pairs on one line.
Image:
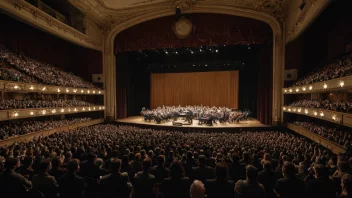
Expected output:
{"points": [[341, 106], [37, 103]]}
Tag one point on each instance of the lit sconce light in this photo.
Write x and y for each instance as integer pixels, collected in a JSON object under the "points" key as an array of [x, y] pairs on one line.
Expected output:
{"points": [[44, 112], [31, 88], [44, 88], [93, 108], [16, 87], [62, 110], [75, 90], [289, 109], [103, 107], [82, 91], [67, 90], [15, 114], [58, 90], [306, 111], [89, 109], [284, 108], [93, 92], [342, 83], [75, 109], [290, 90], [53, 111], [299, 110], [31, 113], [285, 90], [315, 113], [294, 109], [69, 110], [99, 92], [325, 86], [304, 88], [310, 87], [333, 117], [88, 91], [83, 109], [99, 108], [321, 114], [297, 90]]}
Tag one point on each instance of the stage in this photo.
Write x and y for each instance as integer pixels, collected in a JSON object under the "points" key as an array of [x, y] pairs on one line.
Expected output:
{"points": [[138, 121]]}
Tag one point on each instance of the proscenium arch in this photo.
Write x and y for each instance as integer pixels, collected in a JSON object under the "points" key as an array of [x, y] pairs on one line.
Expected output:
{"points": [[109, 60]]}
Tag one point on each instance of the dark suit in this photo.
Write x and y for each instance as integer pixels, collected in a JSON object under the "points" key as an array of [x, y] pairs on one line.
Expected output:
{"points": [[89, 169], [46, 184], [268, 179], [13, 184], [216, 188], [321, 188], [175, 188], [71, 186], [143, 185], [115, 185], [290, 187], [203, 173], [160, 173]]}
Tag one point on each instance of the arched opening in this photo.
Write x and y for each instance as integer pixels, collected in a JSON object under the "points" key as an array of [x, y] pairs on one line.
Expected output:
{"points": [[249, 37]]}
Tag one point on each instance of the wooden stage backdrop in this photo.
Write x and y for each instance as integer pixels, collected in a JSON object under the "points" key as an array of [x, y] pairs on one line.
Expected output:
{"points": [[195, 88]]}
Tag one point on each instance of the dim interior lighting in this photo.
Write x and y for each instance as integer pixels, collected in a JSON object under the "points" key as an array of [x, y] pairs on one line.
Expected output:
{"points": [[304, 88], [306, 111], [44, 112], [75, 90], [99, 108], [99, 92], [294, 109], [58, 90], [31, 88], [93, 92], [89, 109], [333, 117], [93, 108], [285, 90], [297, 90], [310, 87], [103, 107], [82, 91], [315, 113], [69, 110], [53, 111], [67, 90], [299, 110], [75, 109], [290, 90], [16, 87], [15, 114], [289, 109], [284, 108], [44, 88], [342, 83], [325, 86], [88, 91], [31, 113], [83, 109], [62, 110], [321, 114]]}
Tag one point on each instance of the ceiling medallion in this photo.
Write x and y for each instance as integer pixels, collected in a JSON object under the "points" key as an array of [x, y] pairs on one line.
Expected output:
{"points": [[183, 28]]}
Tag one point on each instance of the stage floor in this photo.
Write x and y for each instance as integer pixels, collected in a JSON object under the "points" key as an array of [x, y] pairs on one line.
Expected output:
{"points": [[138, 120]]}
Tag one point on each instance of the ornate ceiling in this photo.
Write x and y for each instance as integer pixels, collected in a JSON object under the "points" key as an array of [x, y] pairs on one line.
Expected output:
{"points": [[110, 13]]}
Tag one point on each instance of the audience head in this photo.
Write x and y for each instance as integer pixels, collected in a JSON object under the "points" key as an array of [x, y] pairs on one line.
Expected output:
{"points": [[73, 166], [176, 170], [252, 173], [147, 163], [44, 165], [161, 160], [288, 169], [201, 160], [221, 171], [346, 183], [115, 165], [12, 163], [197, 189], [267, 166]]}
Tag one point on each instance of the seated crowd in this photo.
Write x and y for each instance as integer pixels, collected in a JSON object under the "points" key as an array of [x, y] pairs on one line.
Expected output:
{"points": [[123, 161], [8, 130], [341, 137], [27, 103], [336, 69], [341, 106], [35, 71]]}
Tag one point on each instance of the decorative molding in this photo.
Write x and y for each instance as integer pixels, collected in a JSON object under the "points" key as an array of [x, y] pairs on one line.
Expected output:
{"points": [[184, 5], [23, 8]]}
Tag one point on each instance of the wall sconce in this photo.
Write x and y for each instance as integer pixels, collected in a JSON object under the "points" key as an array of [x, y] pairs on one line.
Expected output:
{"points": [[31, 113], [93, 92], [88, 91], [16, 87], [62, 110], [297, 90], [325, 86], [58, 90], [342, 83], [321, 114], [310, 87], [75, 109], [306, 111], [334, 117], [44, 112], [83, 109], [299, 110], [99, 92], [99, 108], [69, 110], [31, 88], [304, 88], [44, 88], [284, 108], [290, 90], [75, 90], [315, 113], [53, 111], [93, 108], [284, 90], [67, 90], [82, 91], [294, 109]]}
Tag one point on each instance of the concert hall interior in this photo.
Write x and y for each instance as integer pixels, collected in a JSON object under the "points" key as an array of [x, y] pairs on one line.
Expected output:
{"points": [[175, 98]]}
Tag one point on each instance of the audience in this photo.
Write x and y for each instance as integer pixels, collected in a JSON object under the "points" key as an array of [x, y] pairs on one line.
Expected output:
{"points": [[37, 103], [18, 67], [212, 157], [8, 130], [341, 137], [335, 69], [341, 106]]}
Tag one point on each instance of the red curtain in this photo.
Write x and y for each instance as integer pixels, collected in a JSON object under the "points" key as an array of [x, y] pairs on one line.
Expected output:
{"points": [[208, 29]]}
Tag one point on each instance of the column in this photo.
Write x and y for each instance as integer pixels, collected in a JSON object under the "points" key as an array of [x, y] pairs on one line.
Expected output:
{"points": [[109, 71]]}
